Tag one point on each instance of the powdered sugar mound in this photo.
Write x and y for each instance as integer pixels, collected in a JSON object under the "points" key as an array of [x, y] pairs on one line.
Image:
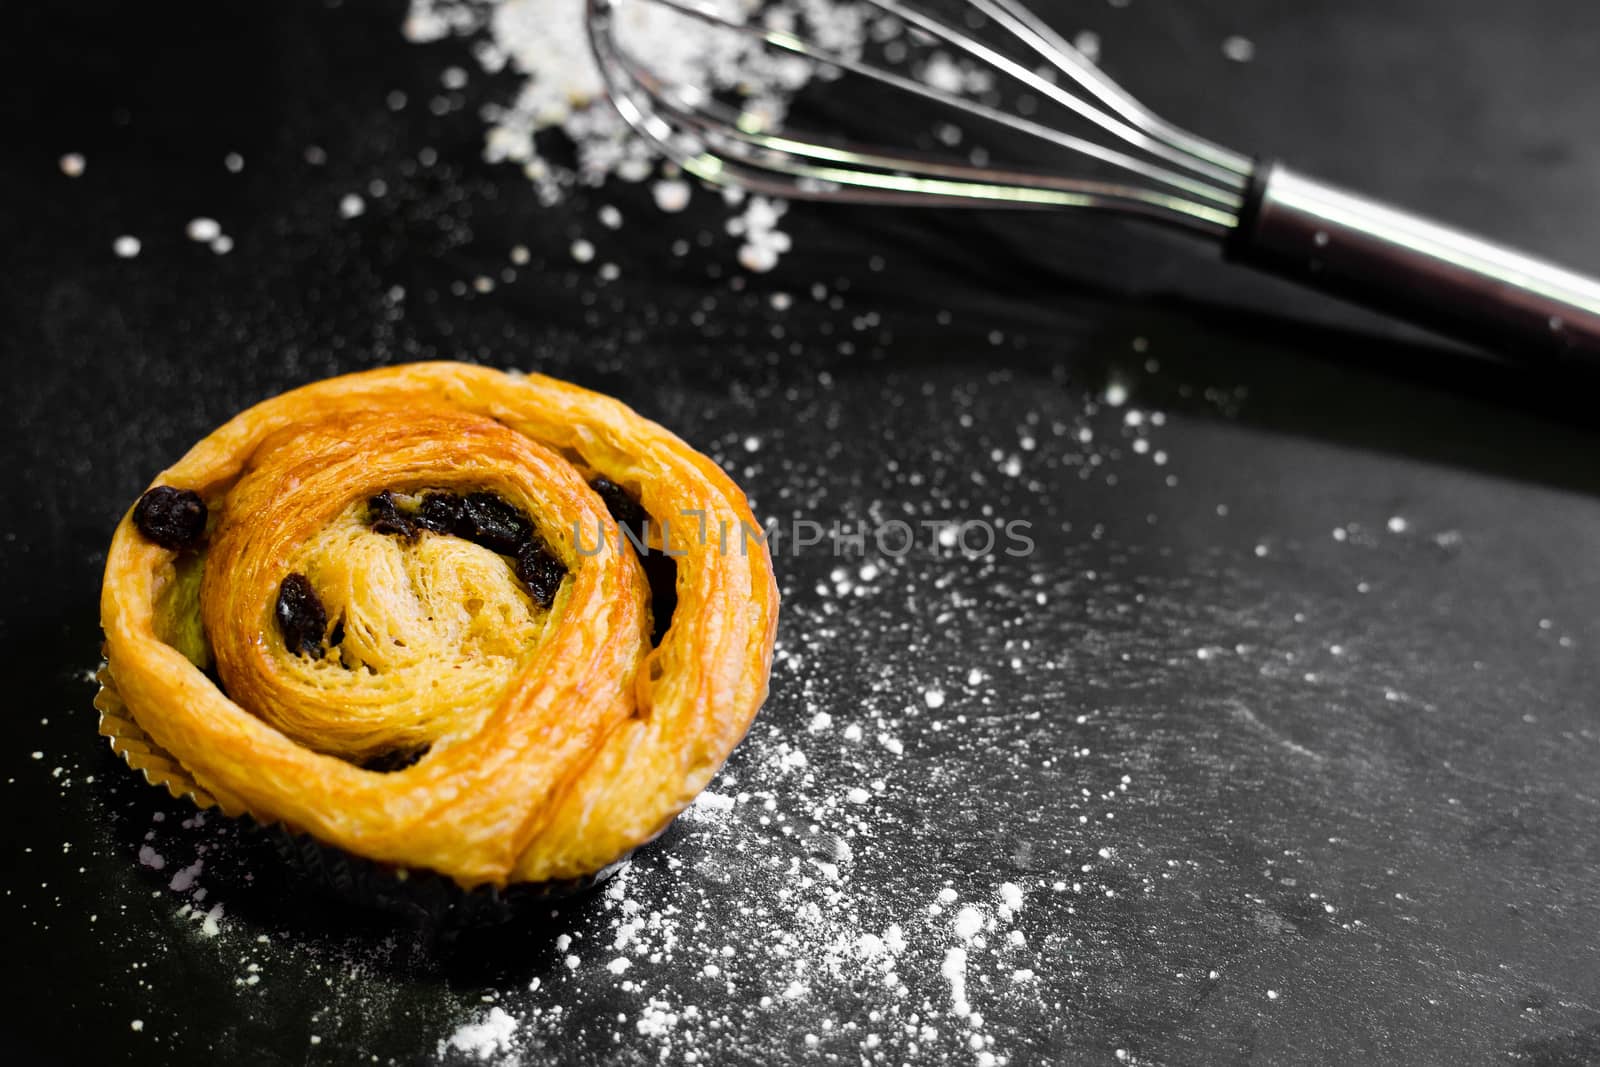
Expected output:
{"points": [[486, 1037], [547, 42]]}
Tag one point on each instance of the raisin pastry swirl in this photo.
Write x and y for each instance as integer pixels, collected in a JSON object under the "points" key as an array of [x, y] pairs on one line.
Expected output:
{"points": [[394, 611]]}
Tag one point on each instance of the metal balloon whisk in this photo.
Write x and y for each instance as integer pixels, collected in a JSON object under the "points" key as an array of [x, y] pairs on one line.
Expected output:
{"points": [[1261, 212]]}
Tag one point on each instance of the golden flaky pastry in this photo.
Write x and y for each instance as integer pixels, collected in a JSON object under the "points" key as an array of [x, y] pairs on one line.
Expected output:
{"points": [[430, 639]]}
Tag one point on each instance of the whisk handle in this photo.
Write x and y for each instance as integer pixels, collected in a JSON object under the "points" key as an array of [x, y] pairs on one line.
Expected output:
{"points": [[1432, 274]]}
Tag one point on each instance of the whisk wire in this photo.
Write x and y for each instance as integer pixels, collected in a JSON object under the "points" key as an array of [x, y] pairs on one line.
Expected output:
{"points": [[1204, 205], [994, 58], [1055, 50], [955, 101], [869, 176]]}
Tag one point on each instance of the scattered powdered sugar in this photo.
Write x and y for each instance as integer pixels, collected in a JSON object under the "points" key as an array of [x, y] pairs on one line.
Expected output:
{"points": [[782, 887], [763, 241], [968, 923], [671, 194], [1010, 897], [185, 878], [1087, 42], [954, 970], [203, 229], [1239, 49]]}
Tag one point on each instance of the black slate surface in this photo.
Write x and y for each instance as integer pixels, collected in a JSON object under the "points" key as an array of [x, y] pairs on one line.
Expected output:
{"points": [[1310, 797]]}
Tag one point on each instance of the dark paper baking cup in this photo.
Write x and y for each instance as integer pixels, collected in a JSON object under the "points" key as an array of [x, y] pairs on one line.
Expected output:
{"points": [[419, 895], [425, 897]]}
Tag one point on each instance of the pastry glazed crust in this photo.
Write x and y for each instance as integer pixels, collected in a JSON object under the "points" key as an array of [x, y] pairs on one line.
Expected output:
{"points": [[556, 740]]}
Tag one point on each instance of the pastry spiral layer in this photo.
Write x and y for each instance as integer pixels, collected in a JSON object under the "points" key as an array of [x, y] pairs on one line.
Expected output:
{"points": [[429, 641]]}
